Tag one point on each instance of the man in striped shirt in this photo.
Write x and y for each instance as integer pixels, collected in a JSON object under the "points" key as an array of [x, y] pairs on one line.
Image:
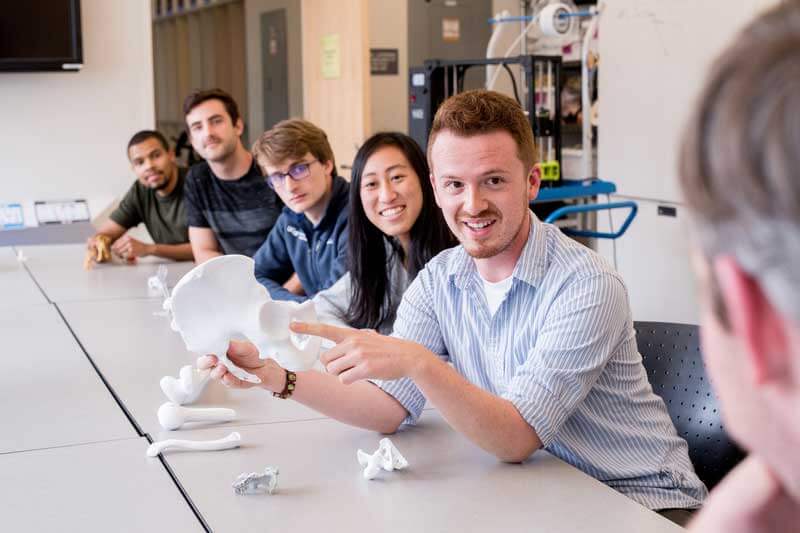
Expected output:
{"points": [[535, 327]]}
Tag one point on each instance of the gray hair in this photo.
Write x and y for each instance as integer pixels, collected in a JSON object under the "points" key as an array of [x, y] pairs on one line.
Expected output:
{"points": [[740, 161]]}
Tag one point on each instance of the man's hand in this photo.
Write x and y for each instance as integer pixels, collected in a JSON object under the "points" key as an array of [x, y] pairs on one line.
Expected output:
{"points": [[750, 498], [364, 354], [91, 244], [97, 250], [128, 248], [294, 285], [245, 356], [91, 253], [318, 390]]}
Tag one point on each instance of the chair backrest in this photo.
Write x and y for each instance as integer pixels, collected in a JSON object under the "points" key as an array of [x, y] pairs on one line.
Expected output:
{"points": [[674, 364]]}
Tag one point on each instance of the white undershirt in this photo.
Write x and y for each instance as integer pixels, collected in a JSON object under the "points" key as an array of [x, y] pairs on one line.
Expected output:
{"points": [[496, 292]]}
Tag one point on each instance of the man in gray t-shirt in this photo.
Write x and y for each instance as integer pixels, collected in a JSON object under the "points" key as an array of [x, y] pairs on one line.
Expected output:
{"points": [[156, 198]]}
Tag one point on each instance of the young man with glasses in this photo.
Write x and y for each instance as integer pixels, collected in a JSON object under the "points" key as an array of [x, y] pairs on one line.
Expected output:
{"points": [[310, 236]]}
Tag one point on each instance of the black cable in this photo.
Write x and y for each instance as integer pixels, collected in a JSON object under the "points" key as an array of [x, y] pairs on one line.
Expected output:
{"points": [[513, 82]]}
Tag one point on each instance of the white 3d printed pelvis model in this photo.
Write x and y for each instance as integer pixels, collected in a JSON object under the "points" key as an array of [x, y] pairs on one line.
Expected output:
{"points": [[387, 457], [220, 300]]}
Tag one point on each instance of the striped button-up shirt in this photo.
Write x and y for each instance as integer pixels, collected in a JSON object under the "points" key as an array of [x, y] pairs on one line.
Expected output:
{"points": [[562, 349]]}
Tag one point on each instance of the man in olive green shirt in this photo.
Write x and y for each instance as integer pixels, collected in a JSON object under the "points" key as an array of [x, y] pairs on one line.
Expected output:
{"points": [[156, 198]]}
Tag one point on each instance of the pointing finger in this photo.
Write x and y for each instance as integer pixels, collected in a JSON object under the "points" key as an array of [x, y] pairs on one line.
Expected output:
{"points": [[318, 329]]}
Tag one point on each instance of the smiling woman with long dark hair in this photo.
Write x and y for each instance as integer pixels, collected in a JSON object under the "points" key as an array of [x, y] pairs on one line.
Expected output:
{"points": [[395, 228]]}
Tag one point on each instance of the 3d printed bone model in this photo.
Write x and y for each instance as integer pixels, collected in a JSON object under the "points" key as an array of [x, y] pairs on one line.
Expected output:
{"points": [[188, 387], [231, 441], [172, 416], [386, 457], [157, 283], [101, 252], [221, 300], [257, 483]]}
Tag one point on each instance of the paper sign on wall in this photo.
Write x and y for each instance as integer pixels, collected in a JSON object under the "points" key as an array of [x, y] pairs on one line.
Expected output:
{"points": [[383, 61], [451, 30], [61, 212], [331, 57], [273, 41], [11, 216]]}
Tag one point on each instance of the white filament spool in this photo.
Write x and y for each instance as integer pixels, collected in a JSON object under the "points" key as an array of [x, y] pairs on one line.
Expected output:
{"points": [[553, 23]]}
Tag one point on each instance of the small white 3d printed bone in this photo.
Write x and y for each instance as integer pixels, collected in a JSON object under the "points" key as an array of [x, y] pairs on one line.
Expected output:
{"points": [[257, 483], [157, 284], [386, 457], [188, 387], [220, 300], [231, 441], [371, 464], [172, 416]]}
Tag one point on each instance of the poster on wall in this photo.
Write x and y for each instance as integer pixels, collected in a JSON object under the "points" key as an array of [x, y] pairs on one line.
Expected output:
{"points": [[61, 211], [11, 216], [331, 57]]}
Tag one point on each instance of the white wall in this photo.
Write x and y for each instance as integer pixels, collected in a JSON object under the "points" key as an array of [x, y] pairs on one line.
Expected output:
{"points": [[388, 28], [64, 134], [337, 101], [648, 90], [654, 57]]}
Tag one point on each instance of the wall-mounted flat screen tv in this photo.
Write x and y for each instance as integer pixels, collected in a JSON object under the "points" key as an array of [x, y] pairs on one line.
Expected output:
{"points": [[40, 35]]}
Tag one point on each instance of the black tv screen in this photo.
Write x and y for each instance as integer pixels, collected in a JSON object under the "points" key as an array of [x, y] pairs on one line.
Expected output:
{"points": [[40, 35]]}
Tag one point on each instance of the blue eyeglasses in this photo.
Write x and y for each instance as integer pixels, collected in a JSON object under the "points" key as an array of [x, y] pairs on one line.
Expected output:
{"points": [[298, 171]]}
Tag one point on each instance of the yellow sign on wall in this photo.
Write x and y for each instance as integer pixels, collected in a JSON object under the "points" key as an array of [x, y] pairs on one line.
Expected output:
{"points": [[331, 57]]}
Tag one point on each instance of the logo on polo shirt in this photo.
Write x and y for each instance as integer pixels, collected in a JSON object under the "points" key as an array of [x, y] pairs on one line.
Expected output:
{"points": [[298, 234]]}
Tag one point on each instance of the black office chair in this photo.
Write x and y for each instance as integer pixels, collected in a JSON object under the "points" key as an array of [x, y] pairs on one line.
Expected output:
{"points": [[672, 358]]}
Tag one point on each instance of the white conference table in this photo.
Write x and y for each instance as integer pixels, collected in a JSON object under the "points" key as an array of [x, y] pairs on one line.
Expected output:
{"points": [[58, 269], [450, 485], [105, 486], [17, 287], [134, 349], [49, 393]]}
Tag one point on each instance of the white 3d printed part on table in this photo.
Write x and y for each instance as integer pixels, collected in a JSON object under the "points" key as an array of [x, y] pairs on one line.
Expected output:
{"points": [[221, 300], [233, 440], [386, 457], [188, 387]]}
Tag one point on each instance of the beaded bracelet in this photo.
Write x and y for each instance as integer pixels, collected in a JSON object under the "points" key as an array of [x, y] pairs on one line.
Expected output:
{"points": [[288, 388]]}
